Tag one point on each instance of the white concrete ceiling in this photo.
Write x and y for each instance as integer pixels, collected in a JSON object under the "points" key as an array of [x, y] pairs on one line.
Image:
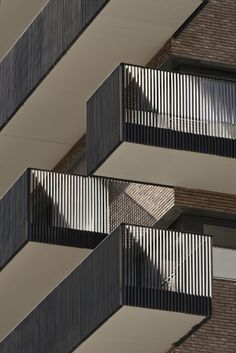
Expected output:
{"points": [[30, 276], [138, 330], [171, 167], [53, 119], [15, 17]]}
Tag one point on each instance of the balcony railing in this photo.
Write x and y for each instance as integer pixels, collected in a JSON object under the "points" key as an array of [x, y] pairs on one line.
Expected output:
{"points": [[52, 207], [135, 267], [68, 201], [164, 109], [181, 102], [166, 269]]}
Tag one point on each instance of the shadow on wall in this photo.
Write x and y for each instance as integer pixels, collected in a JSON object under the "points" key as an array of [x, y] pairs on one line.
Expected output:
{"points": [[134, 203]]}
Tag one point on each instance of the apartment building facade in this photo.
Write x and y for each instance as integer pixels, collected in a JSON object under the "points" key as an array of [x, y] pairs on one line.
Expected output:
{"points": [[117, 159]]}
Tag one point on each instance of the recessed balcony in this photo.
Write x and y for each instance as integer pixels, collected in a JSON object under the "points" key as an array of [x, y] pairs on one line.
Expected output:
{"points": [[141, 290], [163, 128], [50, 222]]}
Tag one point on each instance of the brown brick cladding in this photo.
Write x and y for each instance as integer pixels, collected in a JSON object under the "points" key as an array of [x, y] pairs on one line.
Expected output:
{"points": [[217, 335], [201, 199], [162, 56], [74, 160], [140, 204], [209, 36], [146, 204]]}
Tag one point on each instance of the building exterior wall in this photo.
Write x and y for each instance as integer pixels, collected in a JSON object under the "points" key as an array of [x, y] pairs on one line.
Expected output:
{"points": [[139, 204], [209, 36], [75, 160], [212, 29], [207, 200], [218, 334]]}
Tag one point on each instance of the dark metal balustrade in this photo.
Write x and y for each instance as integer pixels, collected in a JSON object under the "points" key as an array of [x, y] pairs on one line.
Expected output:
{"points": [[68, 201], [167, 270], [53, 208], [163, 109], [134, 266], [181, 102]]}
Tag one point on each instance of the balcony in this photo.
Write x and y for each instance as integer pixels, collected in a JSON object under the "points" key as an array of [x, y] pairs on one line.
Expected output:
{"points": [[140, 290], [53, 208], [50, 72], [50, 222], [163, 128]]}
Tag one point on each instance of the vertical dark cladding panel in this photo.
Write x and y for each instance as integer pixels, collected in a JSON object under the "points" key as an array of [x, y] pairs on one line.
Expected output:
{"points": [[52, 33], [90, 8], [177, 140], [14, 219], [41, 233], [78, 306], [104, 111]]}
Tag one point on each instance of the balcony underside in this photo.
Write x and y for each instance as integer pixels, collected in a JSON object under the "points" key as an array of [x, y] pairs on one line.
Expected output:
{"points": [[172, 167], [53, 117], [28, 278], [138, 330]]}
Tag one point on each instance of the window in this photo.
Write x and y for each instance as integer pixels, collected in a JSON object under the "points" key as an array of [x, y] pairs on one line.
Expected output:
{"points": [[223, 230], [222, 236]]}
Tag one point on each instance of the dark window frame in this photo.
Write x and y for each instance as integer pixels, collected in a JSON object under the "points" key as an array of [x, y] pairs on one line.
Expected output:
{"points": [[193, 222]]}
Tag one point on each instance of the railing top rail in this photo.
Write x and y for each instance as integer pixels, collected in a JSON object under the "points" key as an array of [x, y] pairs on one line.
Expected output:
{"points": [[203, 76], [164, 230]]}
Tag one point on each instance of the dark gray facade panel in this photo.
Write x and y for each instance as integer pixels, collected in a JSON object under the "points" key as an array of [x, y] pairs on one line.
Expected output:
{"points": [[78, 306], [13, 220], [104, 112], [41, 233], [50, 35], [167, 138]]}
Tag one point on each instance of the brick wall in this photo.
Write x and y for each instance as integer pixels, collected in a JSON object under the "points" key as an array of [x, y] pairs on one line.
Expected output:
{"points": [[162, 56], [209, 36], [217, 335], [75, 160], [140, 204], [201, 199]]}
